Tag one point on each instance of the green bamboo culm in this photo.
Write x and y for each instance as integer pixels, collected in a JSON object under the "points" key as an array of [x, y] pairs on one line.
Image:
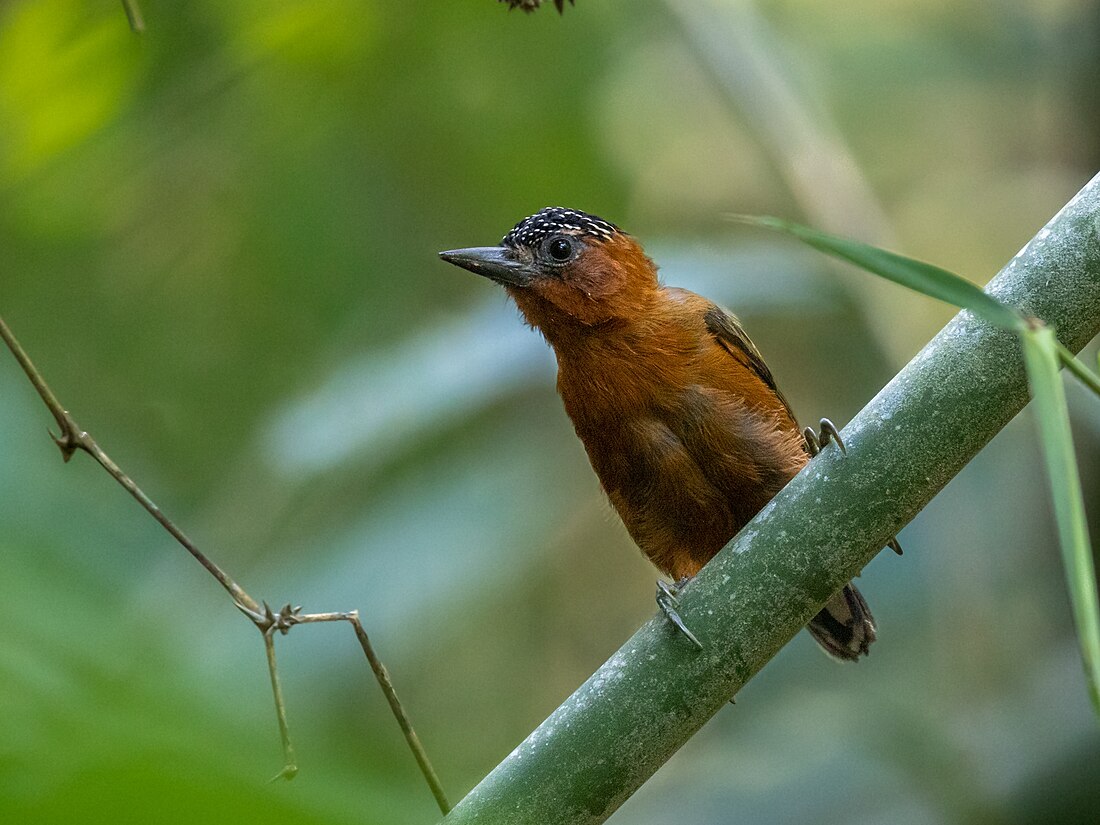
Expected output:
{"points": [[626, 721]]}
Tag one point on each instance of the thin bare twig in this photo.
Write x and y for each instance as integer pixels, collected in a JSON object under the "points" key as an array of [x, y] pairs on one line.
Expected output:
{"points": [[290, 764], [72, 438], [384, 681]]}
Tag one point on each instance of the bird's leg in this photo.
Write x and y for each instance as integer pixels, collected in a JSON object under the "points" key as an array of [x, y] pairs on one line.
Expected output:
{"points": [[816, 443], [668, 602]]}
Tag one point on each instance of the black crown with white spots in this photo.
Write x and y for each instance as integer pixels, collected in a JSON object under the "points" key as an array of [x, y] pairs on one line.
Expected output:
{"points": [[554, 220]]}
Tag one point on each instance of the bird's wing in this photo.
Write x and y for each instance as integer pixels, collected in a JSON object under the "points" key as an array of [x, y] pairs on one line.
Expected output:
{"points": [[731, 336]]}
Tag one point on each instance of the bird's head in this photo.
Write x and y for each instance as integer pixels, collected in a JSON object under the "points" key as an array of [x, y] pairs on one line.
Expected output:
{"points": [[566, 268]]}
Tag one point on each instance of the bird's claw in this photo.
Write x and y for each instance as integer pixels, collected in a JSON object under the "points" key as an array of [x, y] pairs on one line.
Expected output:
{"points": [[668, 601], [815, 443], [894, 545]]}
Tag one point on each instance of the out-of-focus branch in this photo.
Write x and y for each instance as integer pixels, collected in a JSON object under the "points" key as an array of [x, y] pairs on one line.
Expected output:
{"points": [[133, 14], [750, 65]]}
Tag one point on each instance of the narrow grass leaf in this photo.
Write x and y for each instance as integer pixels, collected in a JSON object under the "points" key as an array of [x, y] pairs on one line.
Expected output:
{"points": [[923, 277], [1041, 356], [1089, 378]]}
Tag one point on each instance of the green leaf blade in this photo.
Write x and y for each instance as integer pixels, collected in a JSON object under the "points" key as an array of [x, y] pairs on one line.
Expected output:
{"points": [[1041, 357], [919, 276], [1087, 377]]}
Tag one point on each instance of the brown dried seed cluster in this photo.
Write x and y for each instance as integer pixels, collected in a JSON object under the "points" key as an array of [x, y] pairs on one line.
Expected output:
{"points": [[530, 5]]}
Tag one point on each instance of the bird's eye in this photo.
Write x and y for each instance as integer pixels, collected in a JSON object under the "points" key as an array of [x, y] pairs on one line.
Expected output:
{"points": [[560, 249]]}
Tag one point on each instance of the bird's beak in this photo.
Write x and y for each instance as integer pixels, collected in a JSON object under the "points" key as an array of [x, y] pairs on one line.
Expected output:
{"points": [[494, 262]]}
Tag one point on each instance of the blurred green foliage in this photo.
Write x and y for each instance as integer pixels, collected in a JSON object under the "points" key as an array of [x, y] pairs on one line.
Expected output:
{"points": [[218, 241]]}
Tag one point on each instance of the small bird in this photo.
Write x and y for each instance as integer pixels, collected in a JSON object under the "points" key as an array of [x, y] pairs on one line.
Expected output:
{"points": [[680, 416]]}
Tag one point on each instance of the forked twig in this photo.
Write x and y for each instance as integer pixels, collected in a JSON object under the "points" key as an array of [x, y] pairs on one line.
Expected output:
{"points": [[72, 438]]}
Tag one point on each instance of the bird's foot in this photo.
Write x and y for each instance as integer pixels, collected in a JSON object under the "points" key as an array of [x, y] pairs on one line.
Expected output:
{"points": [[815, 443], [668, 601], [894, 545]]}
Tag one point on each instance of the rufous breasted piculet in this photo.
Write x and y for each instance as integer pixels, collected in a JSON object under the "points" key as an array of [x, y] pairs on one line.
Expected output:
{"points": [[680, 416]]}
